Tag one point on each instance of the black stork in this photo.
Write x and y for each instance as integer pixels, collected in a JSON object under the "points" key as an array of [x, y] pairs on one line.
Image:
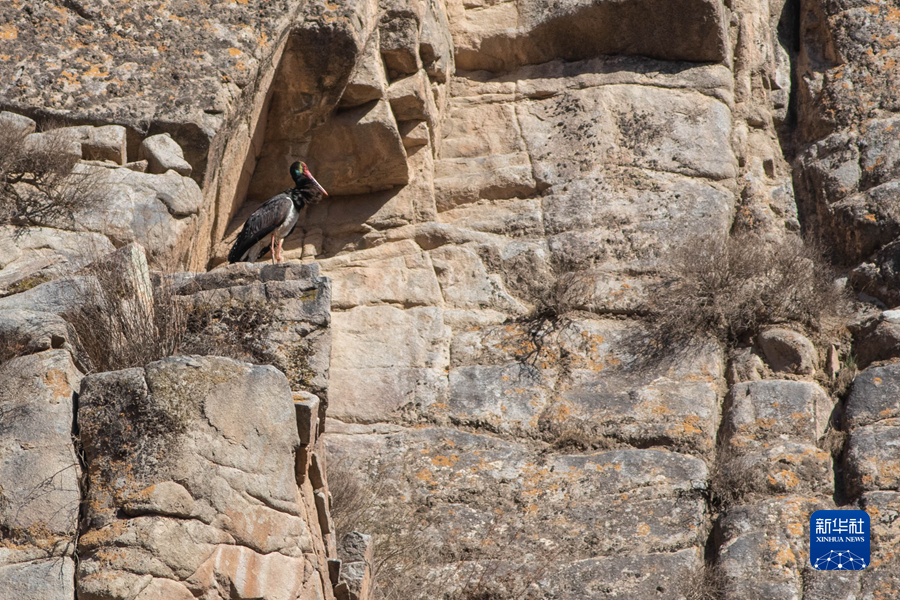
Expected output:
{"points": [[278, 217]]}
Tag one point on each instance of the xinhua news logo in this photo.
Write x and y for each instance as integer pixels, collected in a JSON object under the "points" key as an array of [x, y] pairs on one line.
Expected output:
{"points": [[839, 540]]}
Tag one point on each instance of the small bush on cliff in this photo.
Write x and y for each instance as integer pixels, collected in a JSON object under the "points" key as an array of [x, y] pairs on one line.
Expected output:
{"points": [[123, 323], [729, 289], [39, 184]]}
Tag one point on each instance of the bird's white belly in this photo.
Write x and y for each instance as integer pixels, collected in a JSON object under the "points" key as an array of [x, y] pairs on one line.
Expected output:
{"points": [[285, 228]]}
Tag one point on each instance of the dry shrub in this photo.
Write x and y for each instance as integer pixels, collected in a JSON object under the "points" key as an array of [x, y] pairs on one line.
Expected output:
{"points": [[39, 185], [707, 583], [403, 550], [124, 321], [729, 289], [231, 330], [733, 479]]}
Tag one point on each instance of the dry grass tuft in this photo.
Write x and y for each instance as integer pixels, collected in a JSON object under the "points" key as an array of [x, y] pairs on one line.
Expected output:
{"points": [[730, 289], [734, 479], [124, 321], [707, 583]]}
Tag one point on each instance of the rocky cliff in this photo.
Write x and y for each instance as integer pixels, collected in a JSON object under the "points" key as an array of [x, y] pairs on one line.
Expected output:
{"points": [[517, 191]]}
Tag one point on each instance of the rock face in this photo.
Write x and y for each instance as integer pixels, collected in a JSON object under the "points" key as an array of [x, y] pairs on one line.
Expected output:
{"points": [[40, 474], [202, 475], [509, 182], [195, 493]]}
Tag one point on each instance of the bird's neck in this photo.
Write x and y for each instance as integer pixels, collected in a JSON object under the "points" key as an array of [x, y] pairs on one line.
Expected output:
{"points": [[304, 192], [297, 195]]}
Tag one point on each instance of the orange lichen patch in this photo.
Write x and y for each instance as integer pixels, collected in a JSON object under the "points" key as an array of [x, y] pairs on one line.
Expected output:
{"points": [[96, 71], [795, 529], [58, 383], [426, 476], [877, 381], [234, 52], [616, 466], [785, 477], [660, 410], [8, 32], [445, 461], [643, 529]]}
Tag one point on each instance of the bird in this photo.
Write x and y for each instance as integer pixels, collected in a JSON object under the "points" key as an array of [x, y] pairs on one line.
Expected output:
{"points": [[277, 216]]}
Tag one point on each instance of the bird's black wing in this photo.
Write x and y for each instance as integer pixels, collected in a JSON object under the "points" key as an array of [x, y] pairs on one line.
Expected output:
{"points": [[260, 224]]}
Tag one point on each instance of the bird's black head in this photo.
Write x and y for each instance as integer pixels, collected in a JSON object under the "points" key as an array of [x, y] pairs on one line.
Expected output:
{"points": [[304, 181]]}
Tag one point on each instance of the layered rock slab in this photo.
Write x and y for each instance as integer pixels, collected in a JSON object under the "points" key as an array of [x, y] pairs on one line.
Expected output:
{"points": [[267, 314], [40, 474], [192, 487], [502, 36], [577, 508], [872, 419]]}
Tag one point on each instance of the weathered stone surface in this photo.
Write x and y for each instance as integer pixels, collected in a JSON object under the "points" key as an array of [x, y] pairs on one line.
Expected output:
{"points": [[37, 254], [788, 351], [881, 277], [163, 153], [876, 338], [63, 144], [158, 211], [306, 88], [368, 81], [632, 126], [227, 432], [39, 496], [357, 551], [770, 431], [872, 461], [483, 156], [29, 332], [60, 296], [500, 37], [641, 577], [436, 42], [402, 363], [270, 314], [306, 406], [616, 503], [765, 546], [41, 579], [411, 98], [39, 469], [19, 124], [399, 31], [745, 366], [362, 150], [759, 412], [465, 282], [399, 274], [874, 397], [846, 173]]}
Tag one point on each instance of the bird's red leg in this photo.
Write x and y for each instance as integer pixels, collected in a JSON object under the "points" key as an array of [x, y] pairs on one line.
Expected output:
{"points": [[272, 248], [280, 251]]}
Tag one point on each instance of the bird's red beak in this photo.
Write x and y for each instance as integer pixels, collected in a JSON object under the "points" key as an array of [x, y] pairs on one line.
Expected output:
{"points": [[308, 174]]}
